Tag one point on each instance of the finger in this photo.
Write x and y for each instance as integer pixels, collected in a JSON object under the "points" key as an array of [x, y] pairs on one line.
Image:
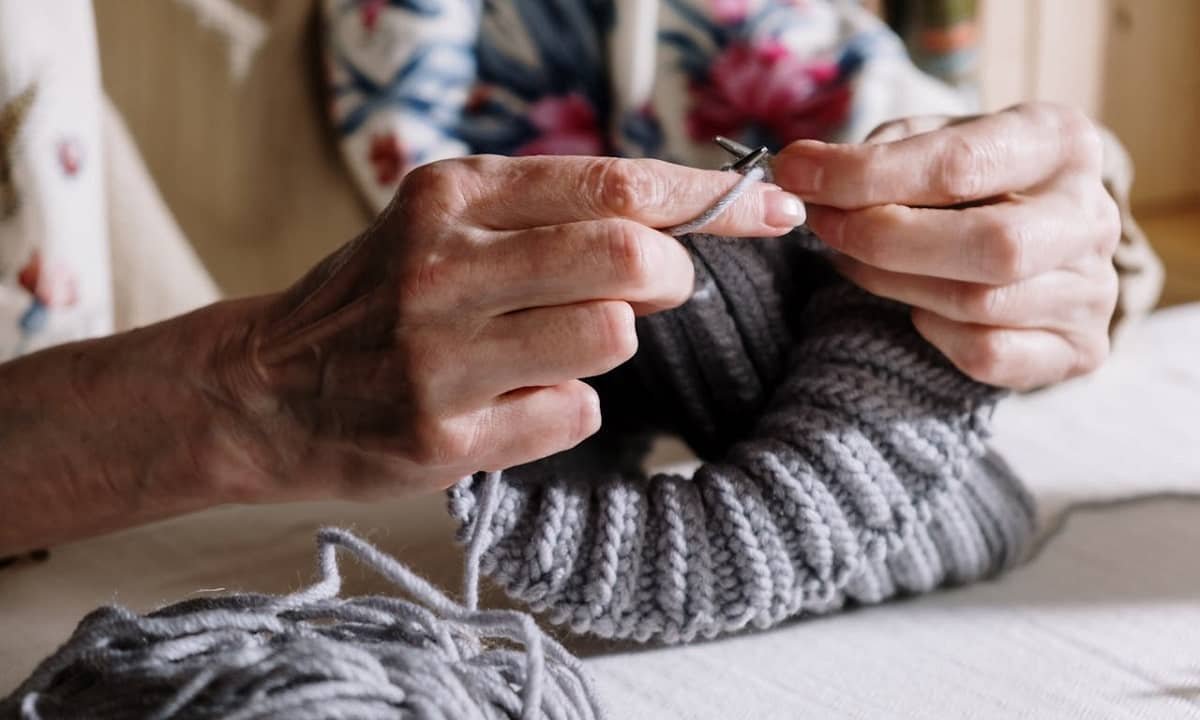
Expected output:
{"points": [[545, 346], [1020, 359], [907, 127], [531, 424], [517, 193], [589, 260], [999, 243], [1058, 300], [451, 370], [516, 428], [991, 155]]}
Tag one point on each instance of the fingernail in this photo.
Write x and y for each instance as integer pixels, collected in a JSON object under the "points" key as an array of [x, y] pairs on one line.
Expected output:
{"points": [[784, 209]]}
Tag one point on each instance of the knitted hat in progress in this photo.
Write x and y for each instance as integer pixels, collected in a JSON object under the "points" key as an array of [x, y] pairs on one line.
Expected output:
{"points": [[845, 462]]}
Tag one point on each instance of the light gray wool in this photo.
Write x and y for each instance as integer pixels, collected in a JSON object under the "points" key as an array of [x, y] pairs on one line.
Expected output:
{"points": [[846, 462], [310, 655]]}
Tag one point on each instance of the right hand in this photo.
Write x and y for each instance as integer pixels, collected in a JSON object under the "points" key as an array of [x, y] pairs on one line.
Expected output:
{"points": [[450, 336]]}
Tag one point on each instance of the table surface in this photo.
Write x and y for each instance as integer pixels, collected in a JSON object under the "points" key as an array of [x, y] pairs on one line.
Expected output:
{"points": [[1103, 623]]}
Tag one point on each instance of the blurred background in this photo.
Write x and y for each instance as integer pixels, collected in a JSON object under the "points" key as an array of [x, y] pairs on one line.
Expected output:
{"points": [[253, 177]]}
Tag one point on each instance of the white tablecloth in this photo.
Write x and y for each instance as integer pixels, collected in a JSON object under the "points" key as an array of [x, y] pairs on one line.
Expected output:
{"points": [[1103, 623]]}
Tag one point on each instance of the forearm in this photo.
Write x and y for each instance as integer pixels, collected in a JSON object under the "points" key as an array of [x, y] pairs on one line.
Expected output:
{"points": [[108, 433]]}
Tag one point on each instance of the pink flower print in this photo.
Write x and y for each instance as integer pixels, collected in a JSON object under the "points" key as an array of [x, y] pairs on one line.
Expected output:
{"points": [[765, 85], [52, 284], [729, 12], [70, 156], [567, 126], [368, 12], [387, 157]]}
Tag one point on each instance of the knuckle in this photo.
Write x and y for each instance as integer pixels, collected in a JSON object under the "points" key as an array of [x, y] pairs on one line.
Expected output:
{"points": [[864, 234], [621, 186], [984, 357], [1104, 299], [424, 277], [1090, 355], [420, 359], [982, 303], [437, 442], [1090, 142], [440, 181], [1039, 112], [432, 198], [893, 129], [615, 330], [1083, 135], [587, 416], [1110, 285], [961, 170], [628, 253], [482, 164], [1008, 242], [1109, 227], [1082, 139], [858, 163]]}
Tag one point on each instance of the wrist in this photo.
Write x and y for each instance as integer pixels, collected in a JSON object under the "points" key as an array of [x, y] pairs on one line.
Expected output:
{"points": [[177, 425], [235, 456], [115, 431]]}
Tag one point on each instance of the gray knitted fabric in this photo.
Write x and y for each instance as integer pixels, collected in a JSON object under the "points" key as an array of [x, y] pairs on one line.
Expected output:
{"points": [[310, 655], [846, 461]]}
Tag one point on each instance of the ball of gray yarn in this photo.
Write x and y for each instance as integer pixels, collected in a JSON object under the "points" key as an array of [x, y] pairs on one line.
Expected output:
{"points": [[846, 462], [308, 655]]}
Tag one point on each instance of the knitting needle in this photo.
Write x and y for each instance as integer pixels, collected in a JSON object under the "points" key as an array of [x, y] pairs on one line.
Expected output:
{"points": [[746, 157], [733, 147], [749, 161]]}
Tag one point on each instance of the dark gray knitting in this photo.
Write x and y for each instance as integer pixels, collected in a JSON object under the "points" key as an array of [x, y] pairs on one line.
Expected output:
{"points": [[846, 461]]}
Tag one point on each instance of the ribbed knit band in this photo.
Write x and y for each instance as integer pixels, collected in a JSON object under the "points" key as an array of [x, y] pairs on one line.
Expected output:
{"points": [[846, 461]]}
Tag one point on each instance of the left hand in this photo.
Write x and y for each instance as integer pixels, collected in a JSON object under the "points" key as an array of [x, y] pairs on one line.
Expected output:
{"points": [[996, 229]]}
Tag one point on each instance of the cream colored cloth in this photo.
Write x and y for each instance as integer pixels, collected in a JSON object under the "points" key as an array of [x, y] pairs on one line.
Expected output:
{"points": [[1103, 623]]}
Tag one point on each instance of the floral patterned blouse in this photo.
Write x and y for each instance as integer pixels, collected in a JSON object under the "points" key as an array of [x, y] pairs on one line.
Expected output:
{"points": [[414, 81]]}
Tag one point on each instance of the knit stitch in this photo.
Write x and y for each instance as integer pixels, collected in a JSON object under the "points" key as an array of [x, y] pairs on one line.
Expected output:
{"points": [[846, 462]]}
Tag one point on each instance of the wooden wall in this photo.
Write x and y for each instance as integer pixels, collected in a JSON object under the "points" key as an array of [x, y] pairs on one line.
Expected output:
{"points": [[1152, 96], [1134, 64], [249, 169]]}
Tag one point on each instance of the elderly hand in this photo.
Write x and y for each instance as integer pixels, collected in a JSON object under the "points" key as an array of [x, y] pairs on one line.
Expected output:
{"points": [[451, 336], [996, 229]]}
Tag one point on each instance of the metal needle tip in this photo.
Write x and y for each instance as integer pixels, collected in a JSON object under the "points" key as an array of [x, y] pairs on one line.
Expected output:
{"points": [[733, 147], [750, 160]]}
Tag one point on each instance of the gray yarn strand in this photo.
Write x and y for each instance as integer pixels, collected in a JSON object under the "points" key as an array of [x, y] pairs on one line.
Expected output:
{"points": [[718, 208], [312, 655]]}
